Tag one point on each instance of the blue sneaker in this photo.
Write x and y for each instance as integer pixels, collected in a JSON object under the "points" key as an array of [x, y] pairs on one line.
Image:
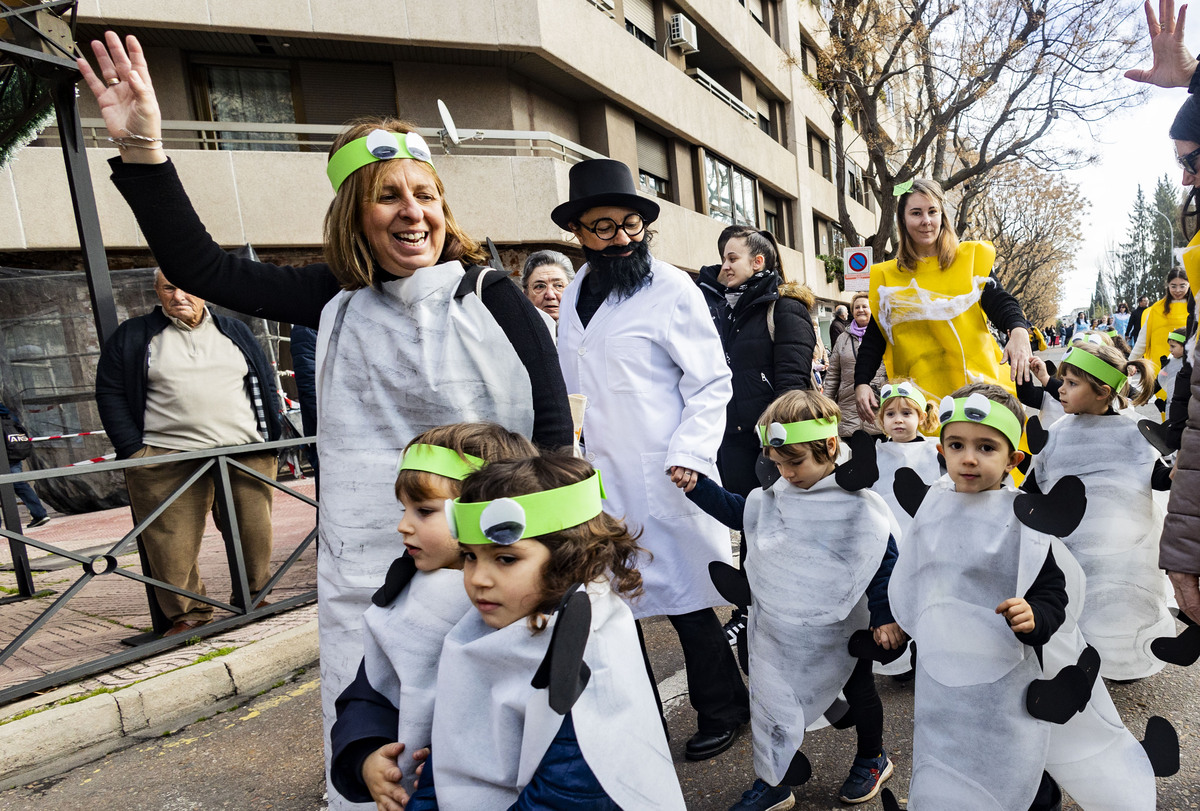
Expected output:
{"points": [[867, 775], [762, 797]]}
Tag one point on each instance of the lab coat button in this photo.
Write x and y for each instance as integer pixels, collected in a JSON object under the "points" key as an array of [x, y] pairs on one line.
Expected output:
{"points": [[582, 351]]}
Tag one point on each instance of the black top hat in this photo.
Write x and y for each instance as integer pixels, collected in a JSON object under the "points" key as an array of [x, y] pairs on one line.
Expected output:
{"points": [[602, 182]]}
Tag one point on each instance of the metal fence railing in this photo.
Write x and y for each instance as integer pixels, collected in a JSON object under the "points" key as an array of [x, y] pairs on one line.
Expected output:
{"points": [[102, 567]]}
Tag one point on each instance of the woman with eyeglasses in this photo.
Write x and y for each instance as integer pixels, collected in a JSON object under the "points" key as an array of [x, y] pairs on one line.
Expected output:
{"points": [[399, 269], [768, 337]]}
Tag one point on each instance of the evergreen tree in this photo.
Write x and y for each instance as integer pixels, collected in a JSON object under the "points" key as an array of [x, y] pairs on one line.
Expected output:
{"points": [[1135, 273], [1101, 304], [1165, 234]]}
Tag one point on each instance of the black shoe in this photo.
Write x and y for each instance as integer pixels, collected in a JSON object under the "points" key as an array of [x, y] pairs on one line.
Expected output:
{"points": [[702, 746], [38, 522]]}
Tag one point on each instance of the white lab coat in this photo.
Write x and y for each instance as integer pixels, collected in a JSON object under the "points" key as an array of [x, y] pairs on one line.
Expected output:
{"points": [[657, 384]]}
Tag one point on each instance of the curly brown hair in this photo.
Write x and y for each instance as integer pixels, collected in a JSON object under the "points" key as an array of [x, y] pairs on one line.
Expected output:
{"points": [[486, 440], [601, 548], [346, 247]]}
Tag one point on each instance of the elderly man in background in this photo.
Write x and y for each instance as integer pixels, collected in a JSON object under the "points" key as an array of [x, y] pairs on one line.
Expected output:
{"points": [[841, 320], [635, 337], [182, 379]]}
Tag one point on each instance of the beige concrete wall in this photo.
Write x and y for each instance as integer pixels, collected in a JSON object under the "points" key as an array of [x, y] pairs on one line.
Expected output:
{"points": [[478, 98], [536, 108]]}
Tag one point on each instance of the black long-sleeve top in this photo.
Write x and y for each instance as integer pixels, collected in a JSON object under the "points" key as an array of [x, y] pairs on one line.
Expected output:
{"points": [[189, 257], [730, 509], [997, 303], [1047, 598]]}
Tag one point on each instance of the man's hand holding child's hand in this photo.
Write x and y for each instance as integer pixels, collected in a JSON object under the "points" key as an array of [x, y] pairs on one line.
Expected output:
{"points": [[889, 637], [382, 778], [1018, 613]]}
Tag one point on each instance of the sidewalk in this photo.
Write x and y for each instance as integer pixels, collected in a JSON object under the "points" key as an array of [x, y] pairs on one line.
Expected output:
{"points": [[45, 733]]}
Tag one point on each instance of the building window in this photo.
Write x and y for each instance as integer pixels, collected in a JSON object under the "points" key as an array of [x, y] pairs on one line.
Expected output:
{"points": [[654, 168], [249, 94], [732, 198], [819, 157], [766, 116], [808, 60], [775, 218], [828, 239], [639, 20]]}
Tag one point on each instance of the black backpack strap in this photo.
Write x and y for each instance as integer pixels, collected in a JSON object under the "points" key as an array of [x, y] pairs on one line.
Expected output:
{"points": [[477, 278]]}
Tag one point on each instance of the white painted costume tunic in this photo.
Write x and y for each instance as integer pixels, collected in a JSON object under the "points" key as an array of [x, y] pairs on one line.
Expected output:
{"points": [[491, 728], [1117, 541], [919, 456], [810, 557], [657, 384], [401, 646], [392, 362]]}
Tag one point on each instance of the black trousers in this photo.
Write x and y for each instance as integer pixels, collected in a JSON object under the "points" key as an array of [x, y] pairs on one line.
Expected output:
{"points": [[736, 459], [715, 687], [866, 709]]}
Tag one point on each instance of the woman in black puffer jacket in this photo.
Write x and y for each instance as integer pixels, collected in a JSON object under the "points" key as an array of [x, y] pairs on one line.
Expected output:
{"points": [[768, 337]]}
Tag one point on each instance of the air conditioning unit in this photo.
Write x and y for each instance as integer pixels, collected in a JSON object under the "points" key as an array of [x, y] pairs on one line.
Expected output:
{"points": [[683, 34]]}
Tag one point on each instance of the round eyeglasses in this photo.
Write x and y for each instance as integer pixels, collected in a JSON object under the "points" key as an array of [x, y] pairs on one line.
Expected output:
{"points": [[606, 228]]}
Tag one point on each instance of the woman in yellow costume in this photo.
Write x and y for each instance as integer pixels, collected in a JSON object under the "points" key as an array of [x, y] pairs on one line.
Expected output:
{"points": [[1168, 314], [932, 304]]}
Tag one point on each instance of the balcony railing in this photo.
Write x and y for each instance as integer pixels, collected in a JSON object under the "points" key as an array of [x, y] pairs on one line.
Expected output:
{"points": [[319, 137]]}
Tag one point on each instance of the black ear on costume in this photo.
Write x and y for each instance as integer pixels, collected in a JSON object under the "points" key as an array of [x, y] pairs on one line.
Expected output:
{"points": [[399, 574], [1182, 650], [889, 800], [563, 670], [731, 583], [798, 771], [1051, 368], [1057, 700], [1162, 746], [1035, 435], [838, 715], [910, 489], [1030, 485], [1055, 513], [766, 471], [861, 470], [862, 645], [1156, 434]]}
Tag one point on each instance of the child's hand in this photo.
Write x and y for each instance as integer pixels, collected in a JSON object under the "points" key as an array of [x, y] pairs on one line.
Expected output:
{"points": [[1038, 367], [889, 637], [1018, 613], [683, 478], [419, 757], [382, 778]]}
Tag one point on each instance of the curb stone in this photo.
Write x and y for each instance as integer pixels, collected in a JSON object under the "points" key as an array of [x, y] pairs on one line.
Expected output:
{"points": [[62, 737]]}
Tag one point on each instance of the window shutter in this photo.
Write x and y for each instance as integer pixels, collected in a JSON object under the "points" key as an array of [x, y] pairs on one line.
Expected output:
{"points": [[756, 8], [641, 14], [652, 153], [335, 92]]}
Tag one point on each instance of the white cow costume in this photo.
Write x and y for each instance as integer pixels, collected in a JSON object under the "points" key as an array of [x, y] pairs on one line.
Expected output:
{"points": [[657, 384], [1117, 541]]}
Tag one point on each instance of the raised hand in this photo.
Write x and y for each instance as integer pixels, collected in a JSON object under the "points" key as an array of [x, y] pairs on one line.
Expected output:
{"points": [[126, 97], [1173, 64]]}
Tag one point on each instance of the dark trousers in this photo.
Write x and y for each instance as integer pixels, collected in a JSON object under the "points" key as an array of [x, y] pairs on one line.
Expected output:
{"points": [[26, 493], [866, 709], [736, 459], [715, 687]]}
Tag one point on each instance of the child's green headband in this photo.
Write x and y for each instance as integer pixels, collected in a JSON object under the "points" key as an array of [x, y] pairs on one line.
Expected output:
{"points": [[507, 520], [906, 390], [793, 433], [378, 145], [979, 409], [1178, 337], [1111, 332], [1096, 366], [439, 460]]}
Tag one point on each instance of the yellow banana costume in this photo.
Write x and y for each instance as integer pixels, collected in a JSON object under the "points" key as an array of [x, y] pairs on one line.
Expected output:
{"points": [[936, 331], [1191, 263]]}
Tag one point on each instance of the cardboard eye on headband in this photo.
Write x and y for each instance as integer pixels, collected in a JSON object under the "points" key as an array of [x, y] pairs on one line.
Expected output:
{"points": [[1095, 366], [979, 409], [505, 521], [906, 390], [439, 460], [378, 145], [777, 434]]}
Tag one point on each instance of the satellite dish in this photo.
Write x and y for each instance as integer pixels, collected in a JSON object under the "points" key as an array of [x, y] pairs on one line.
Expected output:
{"points": [[449, 130]]}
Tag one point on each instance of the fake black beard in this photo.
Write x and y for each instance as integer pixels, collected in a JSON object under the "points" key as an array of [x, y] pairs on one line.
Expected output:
{"points": [[622, 275]]}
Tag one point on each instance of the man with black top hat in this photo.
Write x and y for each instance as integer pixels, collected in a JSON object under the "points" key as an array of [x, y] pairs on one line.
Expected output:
{"points": [[634, 336]]}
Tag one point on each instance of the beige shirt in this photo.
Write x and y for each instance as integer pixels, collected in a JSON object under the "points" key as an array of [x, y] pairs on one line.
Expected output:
{"points": [[196, 393]]}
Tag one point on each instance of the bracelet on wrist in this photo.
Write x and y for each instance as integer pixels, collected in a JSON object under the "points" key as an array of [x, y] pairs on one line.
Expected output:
{"points": [[139, 141]]}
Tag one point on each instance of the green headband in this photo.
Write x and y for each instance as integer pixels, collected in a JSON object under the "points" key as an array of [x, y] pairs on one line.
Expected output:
{"points": [[379, 145], [1178, 337], [906, 390], [980, 410], [793, 433], [1096, 366], [507, 520], [439, 460]]}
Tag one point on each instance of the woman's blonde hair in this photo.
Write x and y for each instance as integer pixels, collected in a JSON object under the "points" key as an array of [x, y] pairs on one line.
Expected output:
{"points": [[800, 405], [1113, 357], [346, 248], [929, 423], [947, 245], [856, 297]]}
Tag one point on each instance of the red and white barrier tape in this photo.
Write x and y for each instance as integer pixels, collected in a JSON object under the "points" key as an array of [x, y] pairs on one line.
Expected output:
{"points": [[108, 457], [68, 436]]}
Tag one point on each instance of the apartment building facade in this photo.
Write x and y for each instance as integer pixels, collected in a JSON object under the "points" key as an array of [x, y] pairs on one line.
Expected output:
{"points": [[712, 103]]}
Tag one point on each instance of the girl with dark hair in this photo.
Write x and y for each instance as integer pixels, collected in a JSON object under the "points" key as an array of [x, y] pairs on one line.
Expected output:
{"points": [[1169, 314], [542, 695]]}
